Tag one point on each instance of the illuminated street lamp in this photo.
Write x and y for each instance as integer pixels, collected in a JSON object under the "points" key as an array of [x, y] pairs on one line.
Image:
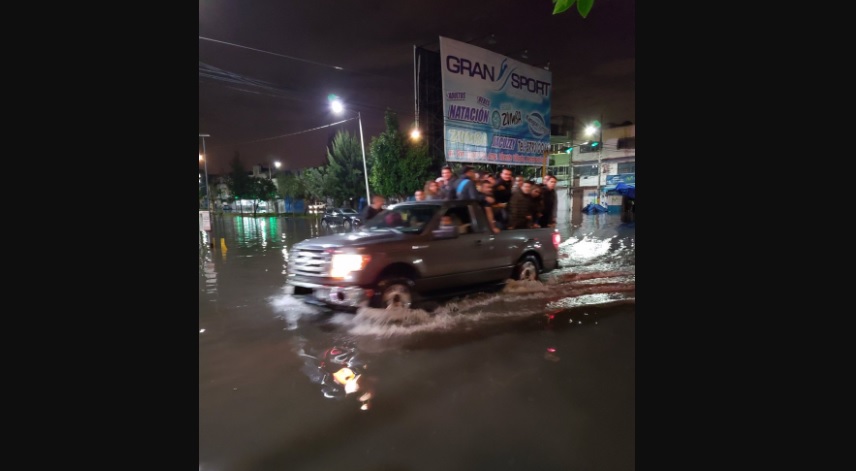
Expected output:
{"points": [[275, 164], [337, 107], [590, 130], [204, 158]]}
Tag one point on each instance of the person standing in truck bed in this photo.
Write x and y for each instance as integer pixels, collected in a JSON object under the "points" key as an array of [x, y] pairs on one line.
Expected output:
{"points": [[521, 207], [502, 194], [447, 184], [551, 202], [486, 200], [465, 186], [373, 209]]}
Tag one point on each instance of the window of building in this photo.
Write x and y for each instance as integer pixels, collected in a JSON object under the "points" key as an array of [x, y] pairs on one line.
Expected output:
{"points": [[627, 142], [585, 171], [593, 146], [627, 167]]}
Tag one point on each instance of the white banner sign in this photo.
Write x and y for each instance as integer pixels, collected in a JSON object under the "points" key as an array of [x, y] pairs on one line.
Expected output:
{"points": [[495, 110]]}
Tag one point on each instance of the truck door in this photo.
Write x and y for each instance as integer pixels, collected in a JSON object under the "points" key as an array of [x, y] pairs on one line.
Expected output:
{"points": [[468, 258]]}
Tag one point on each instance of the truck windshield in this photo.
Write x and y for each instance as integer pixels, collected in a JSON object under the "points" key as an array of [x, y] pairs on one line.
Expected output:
{"points": [[406, 219]]}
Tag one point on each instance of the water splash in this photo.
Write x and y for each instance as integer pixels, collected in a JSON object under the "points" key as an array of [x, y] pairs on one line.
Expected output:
{"points": [[293, 310]]}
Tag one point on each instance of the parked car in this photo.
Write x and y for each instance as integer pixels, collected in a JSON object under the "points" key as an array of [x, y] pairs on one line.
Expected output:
{"points": [[227, 207], [345, 217]]}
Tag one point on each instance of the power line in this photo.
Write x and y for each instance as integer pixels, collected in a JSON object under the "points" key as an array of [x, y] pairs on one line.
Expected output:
{"points": [[335, 67], [307, 61], [296, 133], [217, 74]]}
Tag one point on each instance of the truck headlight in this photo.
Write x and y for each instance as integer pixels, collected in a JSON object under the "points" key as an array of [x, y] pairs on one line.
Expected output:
{"points": [[344, 263]]}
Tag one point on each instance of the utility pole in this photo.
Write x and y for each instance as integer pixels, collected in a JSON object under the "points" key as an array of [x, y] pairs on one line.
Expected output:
{"points": [[599, 155], [205, 160], [207, 192]]}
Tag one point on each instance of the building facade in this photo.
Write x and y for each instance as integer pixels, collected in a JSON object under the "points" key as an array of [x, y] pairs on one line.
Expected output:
{"points": [[588, 171]]}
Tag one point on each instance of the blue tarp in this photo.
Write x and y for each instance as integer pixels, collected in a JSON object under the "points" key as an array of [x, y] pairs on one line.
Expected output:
{"points": [[625, 189], [594, 208]]}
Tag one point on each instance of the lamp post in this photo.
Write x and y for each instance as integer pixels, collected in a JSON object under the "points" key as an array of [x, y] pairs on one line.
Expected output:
{"points": [[591, 129], [270, 177], [270, 173], [204, 157], [337, 107]]}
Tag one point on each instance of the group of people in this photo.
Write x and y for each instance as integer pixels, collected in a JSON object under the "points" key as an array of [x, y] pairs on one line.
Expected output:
{"points": [[509, 203]]}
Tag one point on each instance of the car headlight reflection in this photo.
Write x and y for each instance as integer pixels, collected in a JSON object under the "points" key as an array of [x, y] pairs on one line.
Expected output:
{"points": [[344, 263]]}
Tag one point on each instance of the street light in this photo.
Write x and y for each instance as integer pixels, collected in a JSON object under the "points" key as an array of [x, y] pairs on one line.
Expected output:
{"points": [[590, 130], [270, 174], [337, 107], [204, 157]]}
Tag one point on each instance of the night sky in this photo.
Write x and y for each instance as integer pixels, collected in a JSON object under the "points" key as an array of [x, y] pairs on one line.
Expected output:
{"points": [[247, 97]]}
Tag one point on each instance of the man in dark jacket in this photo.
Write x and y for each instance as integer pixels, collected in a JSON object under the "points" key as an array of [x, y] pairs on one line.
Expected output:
{"points": [[502, 194], [465, 187], [373, 209], [521, 207], [447, 184], [551, 202]]}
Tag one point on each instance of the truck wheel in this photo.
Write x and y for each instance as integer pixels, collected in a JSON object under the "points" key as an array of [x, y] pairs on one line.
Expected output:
{"points": [[395, 292], [347, 225], [527, 269]]}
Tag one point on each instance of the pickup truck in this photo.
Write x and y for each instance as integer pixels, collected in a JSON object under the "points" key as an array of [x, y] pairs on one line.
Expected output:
{"points": [[403, 256]]}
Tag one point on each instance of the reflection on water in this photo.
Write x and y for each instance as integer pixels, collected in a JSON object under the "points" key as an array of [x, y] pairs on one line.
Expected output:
{"points": [[281, 382], [208, 272], [338, 370], [518, 300], [597, 267]]}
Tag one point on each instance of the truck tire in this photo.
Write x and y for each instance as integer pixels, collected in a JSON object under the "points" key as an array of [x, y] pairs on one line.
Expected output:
{"points": [[527, 269], [395, 292]]}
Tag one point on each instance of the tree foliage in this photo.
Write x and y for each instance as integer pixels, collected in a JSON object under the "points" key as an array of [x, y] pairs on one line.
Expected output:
{"points": [[291, 185], [345, 167], [416, 167], [260, 189], [317, 182], [387, 150], [240, 183], [583, 6], [400, 166]]}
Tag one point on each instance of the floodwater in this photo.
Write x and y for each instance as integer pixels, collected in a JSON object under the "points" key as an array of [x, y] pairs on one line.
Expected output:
{"points": [[538, 376]]}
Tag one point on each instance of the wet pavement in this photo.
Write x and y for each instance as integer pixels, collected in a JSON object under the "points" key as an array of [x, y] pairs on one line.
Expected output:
{"points": [[536, 376]]}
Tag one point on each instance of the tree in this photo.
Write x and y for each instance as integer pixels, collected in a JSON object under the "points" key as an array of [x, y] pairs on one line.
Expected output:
{"points": [[400, 166], [416, 167], [291, 186], [387, 150], [583, 6], [345, 167], [317, 182], [260, 189], [240, 184]]}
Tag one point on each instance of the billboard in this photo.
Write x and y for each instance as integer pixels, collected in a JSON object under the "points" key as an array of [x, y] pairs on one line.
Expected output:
{"points": [[495, 110], [621, 178]]}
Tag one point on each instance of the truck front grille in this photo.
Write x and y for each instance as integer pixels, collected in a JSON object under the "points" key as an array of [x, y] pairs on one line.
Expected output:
{"points": [[309, 262]]}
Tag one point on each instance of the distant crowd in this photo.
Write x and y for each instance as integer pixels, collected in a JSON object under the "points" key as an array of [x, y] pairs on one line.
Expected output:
{"points": [[509, 202]]}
